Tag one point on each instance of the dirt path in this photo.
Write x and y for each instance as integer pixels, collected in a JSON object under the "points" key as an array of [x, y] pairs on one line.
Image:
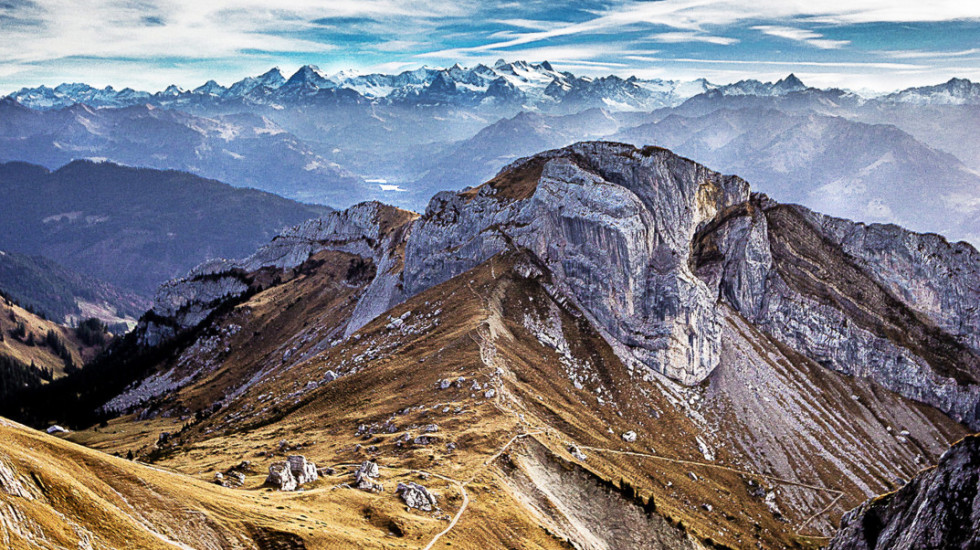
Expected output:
{"points": [[462, 485], [466, 502], [488, 354]]}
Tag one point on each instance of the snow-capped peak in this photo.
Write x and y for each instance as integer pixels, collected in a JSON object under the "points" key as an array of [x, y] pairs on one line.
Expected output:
{"points": [[210, 88], [308, 75]]}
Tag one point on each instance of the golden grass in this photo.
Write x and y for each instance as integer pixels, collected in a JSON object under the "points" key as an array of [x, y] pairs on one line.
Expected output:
{"points": [[480, 329]]}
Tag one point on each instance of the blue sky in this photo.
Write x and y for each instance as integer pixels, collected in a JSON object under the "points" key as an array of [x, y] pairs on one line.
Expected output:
{"points": [[147, 44]]}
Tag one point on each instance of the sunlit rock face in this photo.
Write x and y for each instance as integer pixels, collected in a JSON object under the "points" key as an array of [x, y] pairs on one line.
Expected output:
{"points": [[876, 302], [613, 224]]}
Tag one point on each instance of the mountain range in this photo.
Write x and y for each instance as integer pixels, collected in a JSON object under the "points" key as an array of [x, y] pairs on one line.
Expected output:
{"points": [[602, 346], [339, 139], [535, 85]]}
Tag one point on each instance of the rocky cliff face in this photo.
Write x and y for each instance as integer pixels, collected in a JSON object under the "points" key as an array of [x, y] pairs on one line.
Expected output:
{"points": [[649, 245], [940, 508], [371, 230], [613, 225], [877, 302]]}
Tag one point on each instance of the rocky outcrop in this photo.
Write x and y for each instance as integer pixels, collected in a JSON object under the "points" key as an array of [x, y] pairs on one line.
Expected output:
{"points": [[303, 470], [939, 508], [289, 475], [365, 475], [417, 496], [281, 477], [371, 230], [232, 480], [613, 225], [11, 484]]}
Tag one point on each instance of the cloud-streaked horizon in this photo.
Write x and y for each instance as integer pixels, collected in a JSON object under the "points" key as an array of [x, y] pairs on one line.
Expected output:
{"points": [[148, 44]]}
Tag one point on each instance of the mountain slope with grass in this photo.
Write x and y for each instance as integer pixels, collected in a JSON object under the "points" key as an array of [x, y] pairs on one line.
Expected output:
{"points": [[64, 295], [600, 347]]}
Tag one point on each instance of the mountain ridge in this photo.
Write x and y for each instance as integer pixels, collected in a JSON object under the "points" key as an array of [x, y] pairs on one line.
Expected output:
{"points": [[536, 84], [602, 345], [432, 256]]}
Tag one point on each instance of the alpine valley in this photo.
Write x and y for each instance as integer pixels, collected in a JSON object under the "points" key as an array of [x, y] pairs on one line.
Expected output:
{"points": [[602, 346]]}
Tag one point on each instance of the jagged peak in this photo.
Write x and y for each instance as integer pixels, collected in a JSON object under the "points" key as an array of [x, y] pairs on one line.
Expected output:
{"points": [[790, 81], [307, 74], [173, 89]]}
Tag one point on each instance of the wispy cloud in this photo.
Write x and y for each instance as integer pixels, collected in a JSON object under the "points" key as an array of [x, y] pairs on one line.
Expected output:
{"points": [[680, 37], [911, 54], [805, 36], [51, 29], [828, 64], [127, 42]]}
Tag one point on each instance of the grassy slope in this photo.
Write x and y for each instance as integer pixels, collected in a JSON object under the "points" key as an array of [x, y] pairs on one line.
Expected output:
{"points": [[42, 356], [392, 376], [63, 295]]}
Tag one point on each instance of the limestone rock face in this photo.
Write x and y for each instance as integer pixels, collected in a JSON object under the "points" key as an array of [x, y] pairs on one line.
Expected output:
{"points": [[613, 225], [183, 303], [417, 496], [939, 508], [370, 230], [877, 302], [939, 279]]}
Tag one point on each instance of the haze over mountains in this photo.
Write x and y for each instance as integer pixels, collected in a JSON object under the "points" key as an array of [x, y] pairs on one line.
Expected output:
{"points": [[134, 227], [342, 138]]}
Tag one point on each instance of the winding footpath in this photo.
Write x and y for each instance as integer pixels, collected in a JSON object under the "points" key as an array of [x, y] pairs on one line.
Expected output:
{"points": [[488, 355]]}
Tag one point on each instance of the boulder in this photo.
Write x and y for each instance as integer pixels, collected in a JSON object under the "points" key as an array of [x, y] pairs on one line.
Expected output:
{"points": [[629, 436], [289, 475], [365, 475], [303, 470], [417, 496], [280, 477]]}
